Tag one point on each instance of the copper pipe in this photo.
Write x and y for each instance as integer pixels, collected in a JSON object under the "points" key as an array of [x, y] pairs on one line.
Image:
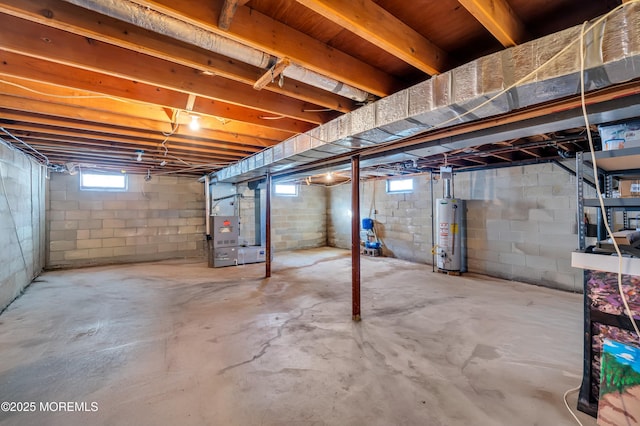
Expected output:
{"points": [[355, 236]]}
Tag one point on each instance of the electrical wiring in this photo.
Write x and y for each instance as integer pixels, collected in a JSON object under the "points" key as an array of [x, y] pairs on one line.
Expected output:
{"points": [[600, 197], [174, 128], [60, 96], [174, 124], [372, 205], [522, 80], [174, 119], [317, 110], [601, 201], [192, 168], [41, 155], [566, 404]]}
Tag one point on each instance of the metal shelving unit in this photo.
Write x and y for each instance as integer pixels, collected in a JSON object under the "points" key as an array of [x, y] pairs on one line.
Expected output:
{"points": [[627, 203], [612, 165]]}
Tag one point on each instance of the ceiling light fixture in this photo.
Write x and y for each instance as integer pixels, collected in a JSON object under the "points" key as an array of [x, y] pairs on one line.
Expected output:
{"points": [[329, 176], [139, 153], [195, 123]]}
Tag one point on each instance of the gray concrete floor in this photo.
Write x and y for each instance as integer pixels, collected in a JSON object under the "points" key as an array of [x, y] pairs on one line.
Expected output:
{"points": [[179, 343]]}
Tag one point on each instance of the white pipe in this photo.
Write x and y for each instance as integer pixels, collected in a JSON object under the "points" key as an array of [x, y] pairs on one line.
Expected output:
{"points": [[135, 14]]}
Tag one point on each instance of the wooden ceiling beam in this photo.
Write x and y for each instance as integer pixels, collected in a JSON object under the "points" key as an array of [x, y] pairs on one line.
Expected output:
{"points": [[531, 152], [506, 156], [77, 144], [244, 121], [60, 145], [41, 92], [90, 120], [261, 32], [130, 165], [58, 46], [68, 17], [122, 161], [373, 23], [54, 133], [15, 118], [135, 169], [498, 18], [61, 96], [474, 160], [228, 11]]}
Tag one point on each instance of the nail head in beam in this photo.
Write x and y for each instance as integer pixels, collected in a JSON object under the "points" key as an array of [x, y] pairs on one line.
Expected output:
{"points": [[271, 73]]}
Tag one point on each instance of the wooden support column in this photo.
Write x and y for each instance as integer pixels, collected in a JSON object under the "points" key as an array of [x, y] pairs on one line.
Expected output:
{"points": [[355, 236], [267, 262]]}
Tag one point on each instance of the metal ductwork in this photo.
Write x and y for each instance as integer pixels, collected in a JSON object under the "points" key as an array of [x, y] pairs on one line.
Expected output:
{"points": [[127, 11], [527, 75]]}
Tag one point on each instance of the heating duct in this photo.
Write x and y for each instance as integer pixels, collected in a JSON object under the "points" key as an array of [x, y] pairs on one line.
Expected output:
{"points": [[151, 20], [530, 74]]}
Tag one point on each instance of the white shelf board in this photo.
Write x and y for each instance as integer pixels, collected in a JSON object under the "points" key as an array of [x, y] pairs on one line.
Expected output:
{"points": [[599, 262]]}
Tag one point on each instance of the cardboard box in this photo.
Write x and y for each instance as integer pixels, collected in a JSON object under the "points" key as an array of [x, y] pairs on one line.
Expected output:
{"points": [[627, 238], [629, 188]]}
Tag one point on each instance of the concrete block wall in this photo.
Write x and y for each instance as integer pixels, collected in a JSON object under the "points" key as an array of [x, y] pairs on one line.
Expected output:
{"points": [[155, 220], [521, 222], [297, 222], [22, 222], [402, 221]]}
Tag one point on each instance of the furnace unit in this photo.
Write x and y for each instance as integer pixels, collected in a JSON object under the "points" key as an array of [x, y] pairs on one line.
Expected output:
{"points": [[225, 234]]}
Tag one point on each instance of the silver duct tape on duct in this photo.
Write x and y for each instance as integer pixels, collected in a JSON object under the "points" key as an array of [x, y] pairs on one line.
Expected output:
{"points": [[519, 77]]}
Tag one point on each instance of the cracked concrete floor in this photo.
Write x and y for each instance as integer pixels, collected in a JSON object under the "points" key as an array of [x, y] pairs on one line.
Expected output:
{"points": [[178, 343]]}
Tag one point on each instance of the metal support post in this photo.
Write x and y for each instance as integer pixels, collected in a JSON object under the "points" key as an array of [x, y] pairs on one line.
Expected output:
{"points": [[268, 253], [580, 201], [355, 236]]}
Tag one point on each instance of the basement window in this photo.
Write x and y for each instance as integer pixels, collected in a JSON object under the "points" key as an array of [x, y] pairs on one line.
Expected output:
{"points": [[286, 189], [399, 185], [103, 182]]}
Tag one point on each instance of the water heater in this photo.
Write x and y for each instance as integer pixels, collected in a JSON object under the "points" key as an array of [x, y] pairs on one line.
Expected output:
{"points": [[450, 244]]}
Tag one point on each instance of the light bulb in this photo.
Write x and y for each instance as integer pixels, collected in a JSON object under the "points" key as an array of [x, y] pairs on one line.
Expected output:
{"points": [[329, 177], [195, 123]]}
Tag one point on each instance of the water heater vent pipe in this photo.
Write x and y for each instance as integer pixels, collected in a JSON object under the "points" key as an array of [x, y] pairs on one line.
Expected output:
{"points": [[446, 174]]}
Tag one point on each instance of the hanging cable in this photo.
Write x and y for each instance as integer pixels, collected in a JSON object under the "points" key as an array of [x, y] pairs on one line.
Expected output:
{"points": [[61, 96], [522, 80], [32, 149], [623, 297], [599, 192], [566, 404]]}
